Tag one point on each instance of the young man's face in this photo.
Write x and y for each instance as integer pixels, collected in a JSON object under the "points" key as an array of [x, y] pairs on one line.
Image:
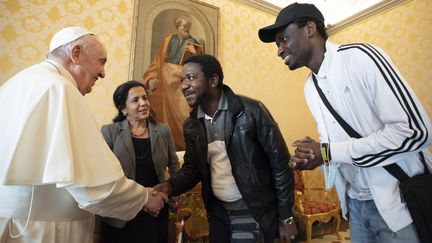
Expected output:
{"points": [[292, 43], [195, 85]]}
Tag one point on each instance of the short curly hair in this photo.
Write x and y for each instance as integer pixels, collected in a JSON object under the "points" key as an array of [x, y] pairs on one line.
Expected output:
{"points": [[209, 66]]}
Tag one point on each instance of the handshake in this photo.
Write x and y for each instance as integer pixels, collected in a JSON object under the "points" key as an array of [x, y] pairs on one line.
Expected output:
{"points": [[157, 197]]}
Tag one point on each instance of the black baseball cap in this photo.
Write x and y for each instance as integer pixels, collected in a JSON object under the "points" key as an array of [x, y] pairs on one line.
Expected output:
{"points": [[286, 16]]}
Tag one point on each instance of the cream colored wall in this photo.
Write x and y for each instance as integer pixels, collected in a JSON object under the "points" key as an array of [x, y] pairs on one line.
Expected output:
{"points": [[251, 67], [26, 28], [405, 34]]}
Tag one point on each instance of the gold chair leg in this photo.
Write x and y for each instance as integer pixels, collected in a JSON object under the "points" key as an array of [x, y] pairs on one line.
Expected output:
{"points": [[338, 219], [309, 231]]}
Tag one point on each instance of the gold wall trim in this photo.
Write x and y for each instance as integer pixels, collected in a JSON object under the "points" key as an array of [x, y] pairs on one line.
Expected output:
{"points": [[261, 5], [331, 29], [133, 38], [364, 14]]}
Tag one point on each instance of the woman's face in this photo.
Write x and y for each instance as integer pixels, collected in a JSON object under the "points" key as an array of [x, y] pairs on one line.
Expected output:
{"points": [[137, 104]]}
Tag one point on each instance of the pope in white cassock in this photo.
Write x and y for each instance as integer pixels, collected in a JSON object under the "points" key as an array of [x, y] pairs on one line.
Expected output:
{"points": [[56, 170]]}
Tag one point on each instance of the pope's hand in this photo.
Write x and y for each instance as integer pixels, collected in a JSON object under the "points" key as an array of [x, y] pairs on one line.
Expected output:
{"points": [[155, 202]]}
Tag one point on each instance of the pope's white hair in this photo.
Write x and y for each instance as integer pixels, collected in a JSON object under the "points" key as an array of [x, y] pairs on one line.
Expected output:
{"points": [[64, 50]]}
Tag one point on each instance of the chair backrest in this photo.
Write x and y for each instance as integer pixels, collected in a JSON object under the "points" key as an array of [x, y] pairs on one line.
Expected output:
{"points": [[298, 181], [312, 187]]}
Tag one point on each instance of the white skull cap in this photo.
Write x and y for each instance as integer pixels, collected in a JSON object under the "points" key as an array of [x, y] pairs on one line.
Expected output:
{"points": [[67, 35]]}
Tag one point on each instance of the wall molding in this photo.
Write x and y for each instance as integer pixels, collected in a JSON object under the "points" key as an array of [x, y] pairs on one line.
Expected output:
{"points": [[261, 5], [373, 10], [331, 29]]}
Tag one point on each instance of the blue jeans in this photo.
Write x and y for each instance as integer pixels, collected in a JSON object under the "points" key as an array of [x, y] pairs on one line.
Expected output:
{"points": [[367, 225]]}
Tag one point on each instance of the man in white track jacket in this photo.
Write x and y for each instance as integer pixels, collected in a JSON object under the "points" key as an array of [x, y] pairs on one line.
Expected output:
{"points": [[364, 87]]}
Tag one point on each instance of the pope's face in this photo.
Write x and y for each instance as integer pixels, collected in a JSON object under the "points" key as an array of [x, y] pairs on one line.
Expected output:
{"points": [[90, 66]]}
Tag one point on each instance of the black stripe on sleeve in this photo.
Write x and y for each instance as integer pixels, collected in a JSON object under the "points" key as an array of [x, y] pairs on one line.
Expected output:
{"points": [[406, 101]]}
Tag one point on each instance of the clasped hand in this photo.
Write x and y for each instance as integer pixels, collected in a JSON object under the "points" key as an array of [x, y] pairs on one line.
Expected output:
{"points": [[156, 201], [307, 154]]}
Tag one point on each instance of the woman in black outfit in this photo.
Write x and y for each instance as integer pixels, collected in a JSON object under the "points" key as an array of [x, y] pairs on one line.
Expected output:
{"points": [[146, 151]]}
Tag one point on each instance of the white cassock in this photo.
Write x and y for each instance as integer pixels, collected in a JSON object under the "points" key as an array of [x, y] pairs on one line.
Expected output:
{"points": [[50, 144]]}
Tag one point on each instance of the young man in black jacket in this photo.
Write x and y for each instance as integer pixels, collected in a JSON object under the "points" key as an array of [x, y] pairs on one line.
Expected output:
{"points": [[237, 152]]}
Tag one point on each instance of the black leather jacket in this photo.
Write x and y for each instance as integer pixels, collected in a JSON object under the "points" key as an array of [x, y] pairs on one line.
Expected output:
{"points": [[258, 154]]}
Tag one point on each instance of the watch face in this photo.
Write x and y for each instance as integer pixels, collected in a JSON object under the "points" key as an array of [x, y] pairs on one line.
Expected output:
{"points": [[290, 220]]}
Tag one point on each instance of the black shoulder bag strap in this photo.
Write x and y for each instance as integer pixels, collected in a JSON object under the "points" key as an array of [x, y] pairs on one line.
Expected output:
{"points": [[394, 169]]}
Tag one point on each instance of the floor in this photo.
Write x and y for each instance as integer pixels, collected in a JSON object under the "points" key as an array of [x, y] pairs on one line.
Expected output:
{"points": [[331, 238], [323, 234]]}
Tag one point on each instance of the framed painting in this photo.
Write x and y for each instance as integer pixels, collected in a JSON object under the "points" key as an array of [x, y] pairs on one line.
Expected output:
{"points": [[165, 32]]}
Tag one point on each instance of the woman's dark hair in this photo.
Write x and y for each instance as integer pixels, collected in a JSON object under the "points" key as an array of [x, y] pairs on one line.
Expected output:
{"points": [[120, 95], [209, 66], [302, 21]]}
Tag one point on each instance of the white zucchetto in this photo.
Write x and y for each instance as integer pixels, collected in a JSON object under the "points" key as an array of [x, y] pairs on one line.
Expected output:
{"points": [[67, 35]]}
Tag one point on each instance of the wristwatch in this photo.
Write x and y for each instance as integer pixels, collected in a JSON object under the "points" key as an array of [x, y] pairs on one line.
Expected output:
{"points": [[286, 221]]}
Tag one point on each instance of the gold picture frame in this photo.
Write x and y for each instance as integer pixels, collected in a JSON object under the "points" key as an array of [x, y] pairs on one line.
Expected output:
{"points": [[164, 33], [153, 19]]}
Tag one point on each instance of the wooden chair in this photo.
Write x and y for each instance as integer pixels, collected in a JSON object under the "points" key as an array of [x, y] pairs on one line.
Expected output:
{"points": [[309, 211], [191, 218], [193, 212]]}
